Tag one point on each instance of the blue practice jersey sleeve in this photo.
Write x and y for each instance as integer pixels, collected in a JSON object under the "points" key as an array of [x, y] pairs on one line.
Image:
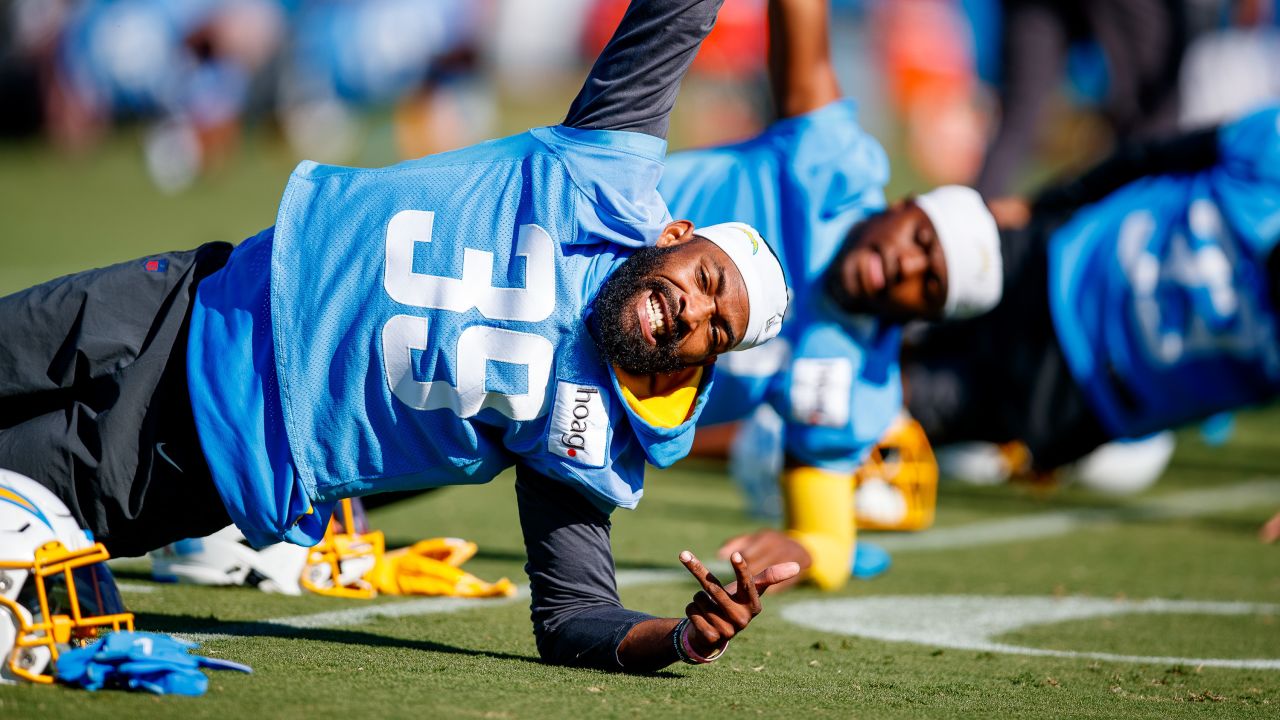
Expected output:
{"points": [[615, 178], [1249, 177], [634, 82], [577, 616]]}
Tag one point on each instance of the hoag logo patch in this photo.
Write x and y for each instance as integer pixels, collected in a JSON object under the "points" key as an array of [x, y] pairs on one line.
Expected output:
{"points": [[579, 424]]}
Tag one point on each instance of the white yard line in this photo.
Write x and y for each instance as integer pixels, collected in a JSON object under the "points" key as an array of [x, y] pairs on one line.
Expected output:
{"points": [[1184, 504], [971, 622], [1190, 503], [128, 587]]}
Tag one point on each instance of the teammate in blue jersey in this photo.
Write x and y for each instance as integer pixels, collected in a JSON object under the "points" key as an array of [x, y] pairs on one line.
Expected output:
{"points": [[524, 302], [1138, 297], [813, 183]]}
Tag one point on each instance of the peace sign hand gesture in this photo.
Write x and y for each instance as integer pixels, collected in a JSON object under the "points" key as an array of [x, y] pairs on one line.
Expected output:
{"points": [[718, 612]]}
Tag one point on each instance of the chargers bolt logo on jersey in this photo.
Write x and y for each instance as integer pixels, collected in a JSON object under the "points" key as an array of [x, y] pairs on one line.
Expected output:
{"points": [[579, 424]]}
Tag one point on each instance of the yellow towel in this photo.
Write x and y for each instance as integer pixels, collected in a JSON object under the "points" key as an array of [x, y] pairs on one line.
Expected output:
{"points": [[432, 567]]}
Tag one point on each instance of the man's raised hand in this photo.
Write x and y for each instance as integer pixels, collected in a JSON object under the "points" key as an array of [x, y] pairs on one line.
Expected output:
{"points": [[718, 612]]}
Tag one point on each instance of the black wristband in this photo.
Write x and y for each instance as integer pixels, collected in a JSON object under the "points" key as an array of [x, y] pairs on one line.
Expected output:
{"points": [[679, 646]]}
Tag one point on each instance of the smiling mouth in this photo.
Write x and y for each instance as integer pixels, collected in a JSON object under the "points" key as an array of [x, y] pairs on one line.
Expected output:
{"points": [[659, 326]]}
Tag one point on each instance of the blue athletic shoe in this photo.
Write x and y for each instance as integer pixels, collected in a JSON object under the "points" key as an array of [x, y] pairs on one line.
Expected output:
{"points": [[870, 560]]}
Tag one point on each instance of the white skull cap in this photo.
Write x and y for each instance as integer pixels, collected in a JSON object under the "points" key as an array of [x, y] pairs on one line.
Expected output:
{"points": [[761, 273], [971, 245]]}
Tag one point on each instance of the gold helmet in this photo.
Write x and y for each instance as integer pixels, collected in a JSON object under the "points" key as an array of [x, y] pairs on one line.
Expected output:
{"points": [[897, 486], [350, 561], [55, 589], [342, 564], [339, 566]]}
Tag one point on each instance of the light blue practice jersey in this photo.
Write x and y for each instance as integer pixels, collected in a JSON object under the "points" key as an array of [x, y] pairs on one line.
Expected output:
{"points": [[804, 182], [1159, 292], [426, 324]]}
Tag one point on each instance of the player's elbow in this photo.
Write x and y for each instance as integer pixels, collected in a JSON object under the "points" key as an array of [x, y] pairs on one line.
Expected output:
{"points": [[558, 641], [586, 636], [551, 645]]}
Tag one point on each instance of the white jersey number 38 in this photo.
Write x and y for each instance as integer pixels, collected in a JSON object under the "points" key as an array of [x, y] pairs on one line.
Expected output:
{"points": [[478, 344]]}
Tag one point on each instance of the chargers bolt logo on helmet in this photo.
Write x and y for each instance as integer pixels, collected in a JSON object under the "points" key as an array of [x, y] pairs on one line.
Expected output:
{"points": [[55, 589]]}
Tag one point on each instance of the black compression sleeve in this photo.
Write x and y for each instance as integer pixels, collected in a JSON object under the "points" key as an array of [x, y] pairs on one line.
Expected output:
{"points": [[1182, 154], [577, 616], [634, 82]]}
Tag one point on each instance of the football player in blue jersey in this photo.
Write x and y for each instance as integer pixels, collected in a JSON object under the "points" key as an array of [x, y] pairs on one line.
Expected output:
{"points": [[813, 183], [525, 302], [812, 179], [1138, 297]]}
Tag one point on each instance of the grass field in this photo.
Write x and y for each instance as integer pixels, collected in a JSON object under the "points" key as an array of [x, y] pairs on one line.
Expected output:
{"points": [[1190, 539], [480, 661]]}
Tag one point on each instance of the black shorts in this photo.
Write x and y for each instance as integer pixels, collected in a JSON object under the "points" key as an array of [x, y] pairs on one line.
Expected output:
{"points": [[1002, 376], [94, 403]]}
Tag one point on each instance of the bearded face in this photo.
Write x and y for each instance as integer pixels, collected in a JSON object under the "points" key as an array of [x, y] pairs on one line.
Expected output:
{"points": [[639, 329]]}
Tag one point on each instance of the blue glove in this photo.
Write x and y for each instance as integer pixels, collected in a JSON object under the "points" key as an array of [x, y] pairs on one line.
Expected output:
{"points": [[140, 661]]}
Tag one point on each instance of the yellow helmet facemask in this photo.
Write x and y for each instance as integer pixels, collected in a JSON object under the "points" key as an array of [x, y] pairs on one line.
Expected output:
{"points": [[897, 486], [55, 589], [342, 564]]}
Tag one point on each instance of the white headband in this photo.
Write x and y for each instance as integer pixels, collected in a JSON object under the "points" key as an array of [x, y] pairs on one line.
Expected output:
{"points": [[762, 275], [971, 245]]}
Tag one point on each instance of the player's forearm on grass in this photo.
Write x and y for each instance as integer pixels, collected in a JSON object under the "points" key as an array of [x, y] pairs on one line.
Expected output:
{"points": [[648, 646], [577, 616], [634, 82], [800, 69]]}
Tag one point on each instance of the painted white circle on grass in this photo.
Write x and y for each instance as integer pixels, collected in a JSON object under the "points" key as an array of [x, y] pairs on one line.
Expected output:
{"points": [[970, 622]]}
